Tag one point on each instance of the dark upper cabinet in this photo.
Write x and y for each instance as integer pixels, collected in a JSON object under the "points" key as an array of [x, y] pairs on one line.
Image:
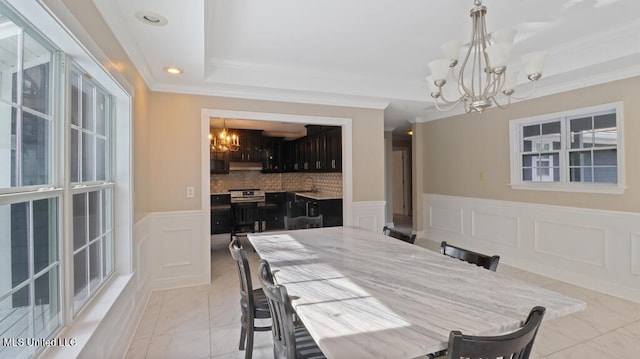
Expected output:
{"points": [[321, 149], [334, 149], [250, 146], [272, 160], [219, 162]]}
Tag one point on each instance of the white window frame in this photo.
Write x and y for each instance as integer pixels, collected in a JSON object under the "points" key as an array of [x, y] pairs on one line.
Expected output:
{"points": [[88, 56], [564, 185]]}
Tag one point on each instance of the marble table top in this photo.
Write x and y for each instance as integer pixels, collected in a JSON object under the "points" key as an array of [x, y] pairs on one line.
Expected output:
{"points": [[364, 295]]}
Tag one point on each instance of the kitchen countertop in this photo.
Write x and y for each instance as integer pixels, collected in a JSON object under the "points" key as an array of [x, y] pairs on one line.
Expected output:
{"points": [[302, 193], [319, 195]]}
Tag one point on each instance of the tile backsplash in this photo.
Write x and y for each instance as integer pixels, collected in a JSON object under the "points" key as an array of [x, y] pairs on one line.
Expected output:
{"points": [[323, 182]]}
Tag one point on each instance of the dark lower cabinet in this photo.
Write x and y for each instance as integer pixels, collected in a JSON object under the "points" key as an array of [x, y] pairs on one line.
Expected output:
{"points": [[220, 221], [330, 209], [275, 210], [220, 213]]}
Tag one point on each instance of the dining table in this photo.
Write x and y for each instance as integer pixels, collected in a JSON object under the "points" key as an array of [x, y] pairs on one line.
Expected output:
{"points": [[361, 294]]}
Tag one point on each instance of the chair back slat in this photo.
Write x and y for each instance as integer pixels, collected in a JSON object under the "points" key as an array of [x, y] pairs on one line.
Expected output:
{"points": [[409, 238], [244, 273], [282, 314], [482, 260], [515, 345]]}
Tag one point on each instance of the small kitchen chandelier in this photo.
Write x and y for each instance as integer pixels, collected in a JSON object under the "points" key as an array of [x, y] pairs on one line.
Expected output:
{"points": [[224, 140], [483, 74]]}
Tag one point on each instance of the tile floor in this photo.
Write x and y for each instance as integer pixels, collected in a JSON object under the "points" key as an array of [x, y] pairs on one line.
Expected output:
{"points": [[203, 322]]}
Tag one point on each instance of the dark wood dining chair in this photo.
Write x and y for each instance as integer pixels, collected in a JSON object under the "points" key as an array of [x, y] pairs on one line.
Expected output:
{"points": [[514, 345], [291, 340], [302, 222], [253, 302], [409, 238], [479, 259], [244, 217]]}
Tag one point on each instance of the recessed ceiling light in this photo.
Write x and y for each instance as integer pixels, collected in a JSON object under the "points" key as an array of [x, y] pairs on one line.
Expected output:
{"points": [[173, 70], [151, 18]]}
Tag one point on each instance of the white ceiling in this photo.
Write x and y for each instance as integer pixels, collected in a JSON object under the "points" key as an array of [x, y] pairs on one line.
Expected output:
{"points": [[363, 53]]}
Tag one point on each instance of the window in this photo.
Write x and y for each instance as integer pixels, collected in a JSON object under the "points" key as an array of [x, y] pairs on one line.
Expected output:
{"points": [[30, 193], [577, 150], [36, 141], [92, 192]]}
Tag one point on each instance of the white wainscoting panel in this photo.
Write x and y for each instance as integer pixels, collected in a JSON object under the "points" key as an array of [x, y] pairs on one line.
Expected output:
{"points": [[591, 248], [572, 242], [446, 219], [181, 251], [368, 215], [493, 227], [635, 253]]}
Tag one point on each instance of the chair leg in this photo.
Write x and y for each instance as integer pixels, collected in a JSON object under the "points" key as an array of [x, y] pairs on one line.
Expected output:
{"points": [[243, 336], [248, 353]]}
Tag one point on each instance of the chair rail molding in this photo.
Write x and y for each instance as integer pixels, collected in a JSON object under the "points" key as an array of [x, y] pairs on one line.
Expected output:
{"points": [[595, 249]]}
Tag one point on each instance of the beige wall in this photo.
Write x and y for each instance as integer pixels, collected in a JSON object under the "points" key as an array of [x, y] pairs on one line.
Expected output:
{"points": [[167, 130], [468, 155], [175, 145]]}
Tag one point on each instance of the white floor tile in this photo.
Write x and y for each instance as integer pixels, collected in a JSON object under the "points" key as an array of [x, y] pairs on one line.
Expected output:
{"points": [[204, 321]]}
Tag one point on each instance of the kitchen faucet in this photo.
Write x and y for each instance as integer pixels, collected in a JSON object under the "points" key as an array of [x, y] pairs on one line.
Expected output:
{"points": [[313, 186]]}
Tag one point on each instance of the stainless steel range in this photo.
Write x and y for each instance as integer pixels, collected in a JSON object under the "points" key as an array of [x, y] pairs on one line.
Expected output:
{"points": [[246, 195]]}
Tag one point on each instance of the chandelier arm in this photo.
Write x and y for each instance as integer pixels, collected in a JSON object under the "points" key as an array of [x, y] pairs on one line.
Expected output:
{"points": [[451, 104], [533, 90], [502, 107]]}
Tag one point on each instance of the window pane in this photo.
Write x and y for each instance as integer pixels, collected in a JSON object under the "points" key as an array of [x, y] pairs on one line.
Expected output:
{"points": [[7, 146], [47, 305], [101, 161], [605, 157], [608, 137], [16, 315], [35, 81], [581, 174], [80, 285], [94, 215], [94, 265], [75, 155], [79, 221], [607, 121], [582, 158], [581, 132], [9, 55], [87, 158], [88, 117], [528, 134], [45, 233], [75, 96], [107, 260], [35, 150], [101, 113], [605, 174], [19, 246]]}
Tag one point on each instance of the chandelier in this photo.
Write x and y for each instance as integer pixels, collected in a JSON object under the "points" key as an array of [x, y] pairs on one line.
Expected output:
{"points": [[224, 140], [483, 74]]}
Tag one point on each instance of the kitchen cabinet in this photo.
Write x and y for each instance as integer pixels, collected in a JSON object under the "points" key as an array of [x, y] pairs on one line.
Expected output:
{"points": [[334, 149], [219, 162], [220, 213], [273, 215], [250, 146], [272, 154], [330, 209]]}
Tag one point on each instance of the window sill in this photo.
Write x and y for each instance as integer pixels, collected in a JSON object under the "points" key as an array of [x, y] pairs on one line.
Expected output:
{"points": [[557, 187], [83, 327]]}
